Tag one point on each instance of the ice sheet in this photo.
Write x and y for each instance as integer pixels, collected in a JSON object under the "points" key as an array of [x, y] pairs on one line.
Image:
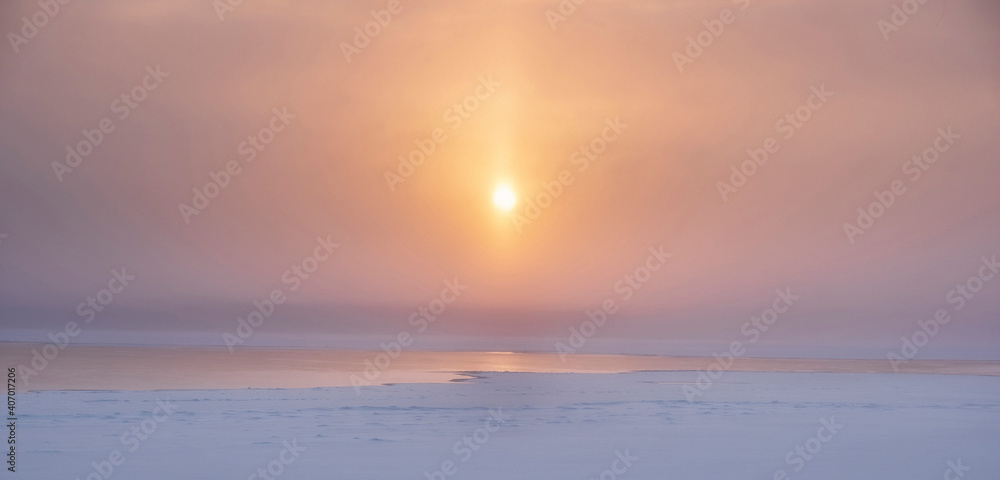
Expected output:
{"points": [[555, 426]]}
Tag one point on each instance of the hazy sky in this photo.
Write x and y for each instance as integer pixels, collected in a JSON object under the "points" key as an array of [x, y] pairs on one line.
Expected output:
{"points": [[543, 92]]}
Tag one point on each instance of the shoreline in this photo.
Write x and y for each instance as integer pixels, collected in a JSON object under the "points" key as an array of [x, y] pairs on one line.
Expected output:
{"points": [[198, 368]]}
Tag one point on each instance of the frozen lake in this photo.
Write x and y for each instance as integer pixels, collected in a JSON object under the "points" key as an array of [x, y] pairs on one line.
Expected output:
{"points": [[520, 424], [527, 426]]}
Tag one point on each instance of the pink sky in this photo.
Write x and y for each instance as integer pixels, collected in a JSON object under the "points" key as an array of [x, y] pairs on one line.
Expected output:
{"points": [[553, 89]]}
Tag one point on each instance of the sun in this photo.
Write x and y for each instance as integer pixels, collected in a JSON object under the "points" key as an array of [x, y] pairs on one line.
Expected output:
{"points": [[504, 198]]}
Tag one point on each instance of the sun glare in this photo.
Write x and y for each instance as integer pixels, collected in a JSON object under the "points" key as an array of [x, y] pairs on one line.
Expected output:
{"points": [[504, 198]]}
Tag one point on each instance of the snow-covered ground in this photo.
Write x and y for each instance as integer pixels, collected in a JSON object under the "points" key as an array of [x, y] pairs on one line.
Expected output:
{"points": [[749, 425]]}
